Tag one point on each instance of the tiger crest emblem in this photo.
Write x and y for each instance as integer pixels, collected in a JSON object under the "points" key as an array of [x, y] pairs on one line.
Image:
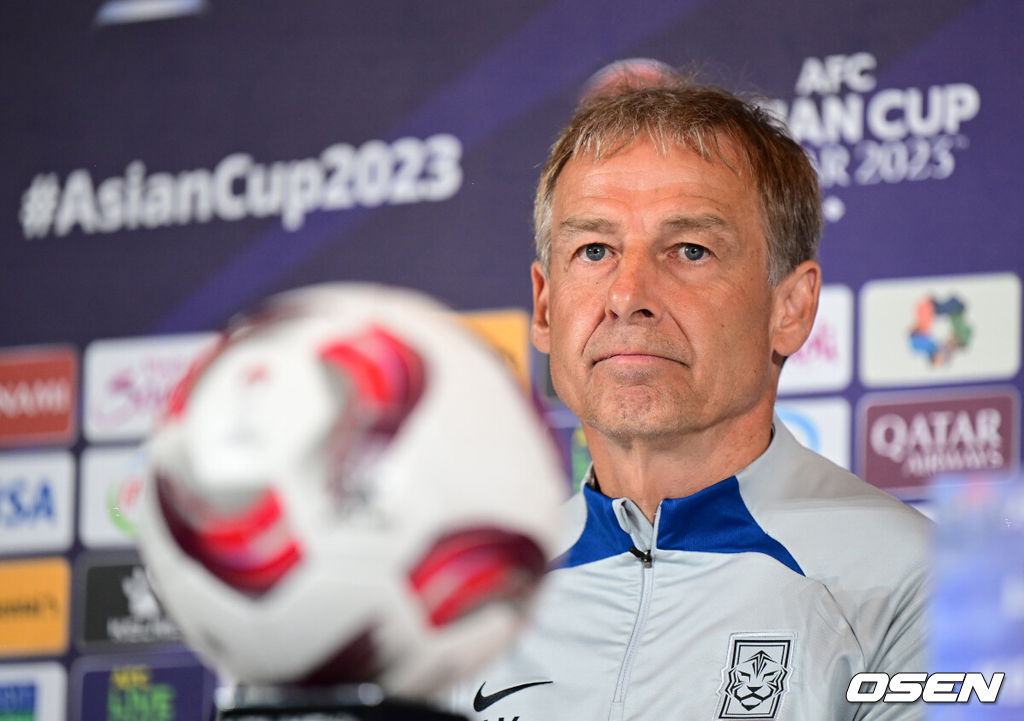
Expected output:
{"points": [[754, 679]]}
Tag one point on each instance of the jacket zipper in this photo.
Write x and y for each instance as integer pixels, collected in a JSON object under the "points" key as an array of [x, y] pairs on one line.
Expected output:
{"points": [[647, 562]]}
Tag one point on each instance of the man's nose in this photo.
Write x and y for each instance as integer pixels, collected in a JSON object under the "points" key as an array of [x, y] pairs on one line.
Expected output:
{"points": [[633, 290]]}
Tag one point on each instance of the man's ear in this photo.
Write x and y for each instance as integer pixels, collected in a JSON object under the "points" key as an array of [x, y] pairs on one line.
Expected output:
{"points": [[795, 305], [539, 326]]}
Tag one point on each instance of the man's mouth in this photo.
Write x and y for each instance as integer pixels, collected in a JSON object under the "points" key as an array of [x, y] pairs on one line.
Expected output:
{"points": [[633, 357]]}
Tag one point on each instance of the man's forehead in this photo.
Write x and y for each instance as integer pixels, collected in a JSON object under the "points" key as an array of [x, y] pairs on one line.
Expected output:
{"points": [[651, 165], [648, 162]]}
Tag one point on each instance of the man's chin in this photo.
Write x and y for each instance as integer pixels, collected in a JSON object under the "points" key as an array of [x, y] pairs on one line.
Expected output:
{"points": [[638, 424]]}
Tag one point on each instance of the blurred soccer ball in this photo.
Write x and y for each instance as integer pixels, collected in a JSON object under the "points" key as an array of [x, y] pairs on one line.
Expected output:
{"points": [[349, 488]]}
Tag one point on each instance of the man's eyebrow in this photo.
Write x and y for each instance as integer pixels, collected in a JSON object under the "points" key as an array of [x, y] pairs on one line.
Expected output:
{"points": [[585, 224], [689, 223]]}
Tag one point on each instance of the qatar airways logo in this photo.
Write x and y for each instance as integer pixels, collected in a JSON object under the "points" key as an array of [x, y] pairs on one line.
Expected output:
{"points": [[128, 381], [908, 438]]}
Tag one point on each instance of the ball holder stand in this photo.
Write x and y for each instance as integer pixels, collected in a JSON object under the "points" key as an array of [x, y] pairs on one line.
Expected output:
{"points": [[350, 702]]}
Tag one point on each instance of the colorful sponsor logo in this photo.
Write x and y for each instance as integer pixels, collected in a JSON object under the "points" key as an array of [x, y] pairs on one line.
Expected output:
{"points": [[825, 362], [36, 501], [128, 382], [38, 396], [906, 439], [112, 494], [33, 692], [34, 607], [926, 338], [507, 331], [149, 689], [119, 607], [822, 425], [924, 331]]}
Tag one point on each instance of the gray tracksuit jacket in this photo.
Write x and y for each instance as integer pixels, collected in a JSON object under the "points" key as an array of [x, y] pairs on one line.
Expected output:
{"points": [[756, 598]]}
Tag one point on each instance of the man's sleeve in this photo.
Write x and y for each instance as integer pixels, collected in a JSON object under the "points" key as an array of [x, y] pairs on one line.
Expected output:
{"points": [[904, 647]]}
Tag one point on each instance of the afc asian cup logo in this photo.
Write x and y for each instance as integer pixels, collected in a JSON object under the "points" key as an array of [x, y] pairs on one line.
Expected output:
{"points": [[754, 678]]}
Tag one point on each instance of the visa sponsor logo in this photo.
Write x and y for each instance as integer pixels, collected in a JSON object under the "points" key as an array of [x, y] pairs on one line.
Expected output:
{"points": [[120, 608], [128, 381], [111, 495], [33, 692], [946, 329], [34, 607], [822, 425], [825, 362], [36, 501], [905, 439], [38, 390]]}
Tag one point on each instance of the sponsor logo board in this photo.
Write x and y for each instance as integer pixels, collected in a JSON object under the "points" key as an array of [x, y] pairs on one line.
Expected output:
{"points": [[111, 495], [125, 688], [36, 501], [823, 425], [128, 381], [946, 329], [907, 438], [33, 692], [38, 396], [34, 607], [825, 362], [118, 607]]}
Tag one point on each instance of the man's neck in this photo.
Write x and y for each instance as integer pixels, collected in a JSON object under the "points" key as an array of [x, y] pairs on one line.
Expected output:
{"points": [[647, 471]]}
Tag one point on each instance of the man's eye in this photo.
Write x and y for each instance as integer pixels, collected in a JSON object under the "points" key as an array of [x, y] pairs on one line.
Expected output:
{"points": [[691, 251], [594, 251]]}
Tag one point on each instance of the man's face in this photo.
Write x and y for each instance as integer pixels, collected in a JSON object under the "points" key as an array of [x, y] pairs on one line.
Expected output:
{"points": [[656, 309]]}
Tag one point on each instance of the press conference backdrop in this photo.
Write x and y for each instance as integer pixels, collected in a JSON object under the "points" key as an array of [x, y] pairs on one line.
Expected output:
{"points": [[167, 164]]}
